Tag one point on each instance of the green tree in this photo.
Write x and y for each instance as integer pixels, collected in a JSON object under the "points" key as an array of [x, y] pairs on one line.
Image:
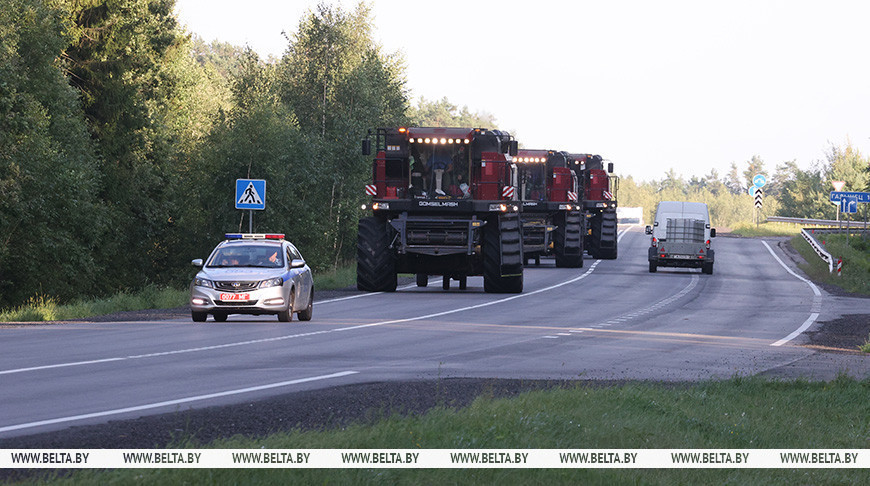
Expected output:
{"points": [[148, 104], [733, 181], [222, 57], [714, 184], [803, 194], [260, 139], [50, 215], [848, 165], [339, 84], [443, 113]]}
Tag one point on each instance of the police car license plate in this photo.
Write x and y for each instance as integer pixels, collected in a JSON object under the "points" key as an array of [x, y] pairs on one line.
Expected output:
{"points": [[235, 296]]}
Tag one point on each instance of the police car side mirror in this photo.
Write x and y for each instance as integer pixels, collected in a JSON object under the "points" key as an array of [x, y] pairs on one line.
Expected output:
{"points": [[297, 263], [197, 262], [366, 147], [712, 232], [648, 230]]}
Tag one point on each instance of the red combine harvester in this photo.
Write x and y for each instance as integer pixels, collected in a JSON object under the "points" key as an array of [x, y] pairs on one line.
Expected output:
{"points": [[444, 202], [553, 220], [598, 191]]}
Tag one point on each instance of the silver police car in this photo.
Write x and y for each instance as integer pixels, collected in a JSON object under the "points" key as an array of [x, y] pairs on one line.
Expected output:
{"points": [[252, 274]]}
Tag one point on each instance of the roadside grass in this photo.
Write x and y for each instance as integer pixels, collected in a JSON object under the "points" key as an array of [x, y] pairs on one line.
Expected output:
{"points": [[765, 229], [856, 262], [740, 413], [337, 278], [42, 308]]}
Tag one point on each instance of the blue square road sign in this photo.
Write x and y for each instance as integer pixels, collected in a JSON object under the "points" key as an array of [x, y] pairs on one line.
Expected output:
{"points": [[849, 205], [861, 197], [250, 194]]}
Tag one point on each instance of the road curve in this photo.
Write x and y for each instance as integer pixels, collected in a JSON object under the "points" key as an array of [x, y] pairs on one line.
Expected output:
{"points": [[611, 319]]}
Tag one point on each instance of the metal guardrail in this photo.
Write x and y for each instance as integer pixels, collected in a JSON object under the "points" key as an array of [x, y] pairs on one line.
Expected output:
{"points": [[819, 249], [840, 225], [831, 227]]}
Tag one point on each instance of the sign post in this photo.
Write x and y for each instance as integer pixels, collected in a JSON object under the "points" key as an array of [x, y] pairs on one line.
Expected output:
{"points": [[251, 195], [838, 186], [759, 194], [848, 205], [758, 182]]}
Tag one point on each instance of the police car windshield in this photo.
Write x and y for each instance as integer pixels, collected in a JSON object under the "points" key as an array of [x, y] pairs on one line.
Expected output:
{"points": [[258, 256]]}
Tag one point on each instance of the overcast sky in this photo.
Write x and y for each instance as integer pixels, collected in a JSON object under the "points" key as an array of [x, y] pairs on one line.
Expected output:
{"points": [[650, 85]]}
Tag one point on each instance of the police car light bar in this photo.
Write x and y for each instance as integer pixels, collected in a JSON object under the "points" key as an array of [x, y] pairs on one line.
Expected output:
{"points": [[254, 236]]}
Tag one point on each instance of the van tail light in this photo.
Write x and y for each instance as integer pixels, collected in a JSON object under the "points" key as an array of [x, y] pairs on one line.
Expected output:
{"points": [[655, 242]]}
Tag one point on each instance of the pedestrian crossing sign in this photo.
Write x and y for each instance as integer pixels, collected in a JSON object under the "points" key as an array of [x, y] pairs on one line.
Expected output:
{"points": [[250, 194]]}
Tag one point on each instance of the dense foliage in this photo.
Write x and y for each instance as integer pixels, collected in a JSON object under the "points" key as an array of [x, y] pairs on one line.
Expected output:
{"points": [[443, 113], [121, 136], [790, 191]]}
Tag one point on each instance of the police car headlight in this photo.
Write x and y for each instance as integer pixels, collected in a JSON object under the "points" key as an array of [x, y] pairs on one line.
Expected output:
{"points": [[203, 282], [272, 282]]}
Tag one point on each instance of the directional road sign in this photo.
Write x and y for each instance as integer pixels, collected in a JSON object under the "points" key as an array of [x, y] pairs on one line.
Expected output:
{"points": [[759, 180], [862, 197], [849, 205], [758, 195], [250, 194]]}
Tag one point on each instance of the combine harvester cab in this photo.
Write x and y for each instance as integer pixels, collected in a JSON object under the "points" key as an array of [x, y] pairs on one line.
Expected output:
{"points": [[599, 190], [553, 220], [444, 202]]}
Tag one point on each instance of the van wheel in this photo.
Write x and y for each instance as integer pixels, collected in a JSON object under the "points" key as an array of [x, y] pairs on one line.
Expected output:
{"points": [[652, 267], [422, 280]]}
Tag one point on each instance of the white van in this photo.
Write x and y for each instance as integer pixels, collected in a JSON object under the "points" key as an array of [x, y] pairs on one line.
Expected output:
{"points": [[681, 236]]}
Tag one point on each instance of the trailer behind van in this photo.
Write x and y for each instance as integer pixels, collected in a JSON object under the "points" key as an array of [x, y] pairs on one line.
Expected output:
{"points": [[681, 237]]}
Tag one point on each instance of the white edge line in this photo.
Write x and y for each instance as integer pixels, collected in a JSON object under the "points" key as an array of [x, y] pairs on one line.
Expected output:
{"points": [[179, 401], [62, 365], [351, 328], [360, 295], [807, 323], [812, 285]]}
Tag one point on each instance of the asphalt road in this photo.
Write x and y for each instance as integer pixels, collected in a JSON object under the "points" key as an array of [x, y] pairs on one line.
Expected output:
{"points": [[608, 320]]}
